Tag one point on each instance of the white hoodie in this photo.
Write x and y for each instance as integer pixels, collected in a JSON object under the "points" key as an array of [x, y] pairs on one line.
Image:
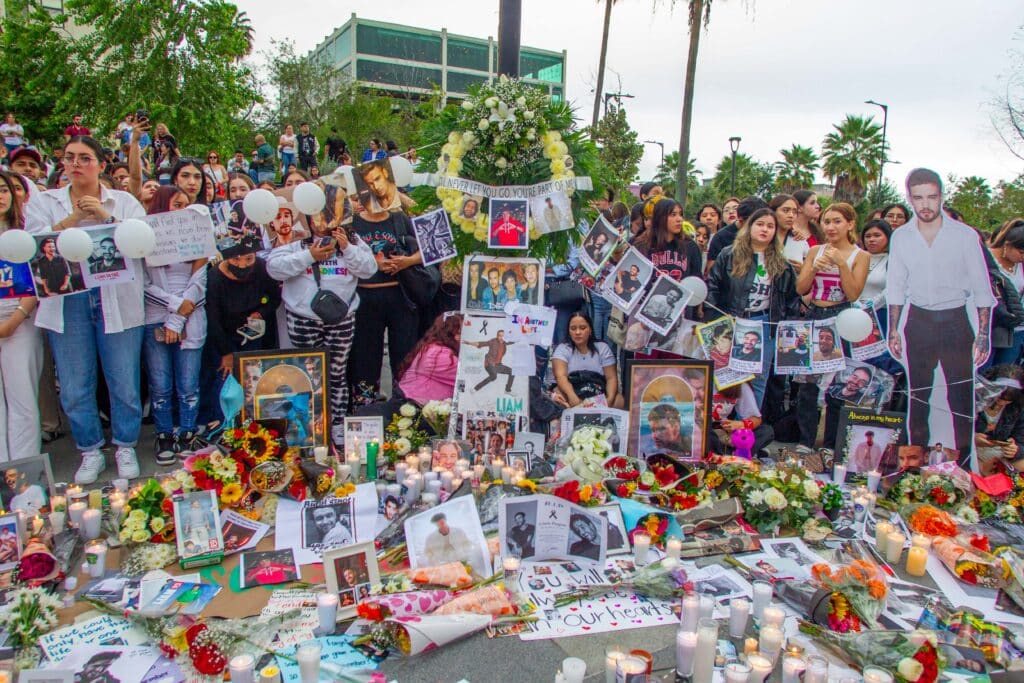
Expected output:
{"points": [[292, 264]]}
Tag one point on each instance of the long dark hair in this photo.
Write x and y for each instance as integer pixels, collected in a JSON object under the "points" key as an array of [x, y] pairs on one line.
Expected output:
{"points": [[14, 217], [89, 142], [198, 165], [445, 331], [161, 201], [591, 346], [657, 238]]}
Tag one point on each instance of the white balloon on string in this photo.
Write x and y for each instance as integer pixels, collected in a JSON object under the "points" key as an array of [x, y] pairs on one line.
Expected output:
{"points": [[260, 206], [74, 244], [854, 325], [309, 198], [402, 169], [135, 238], [698, 290], [17, 246]]}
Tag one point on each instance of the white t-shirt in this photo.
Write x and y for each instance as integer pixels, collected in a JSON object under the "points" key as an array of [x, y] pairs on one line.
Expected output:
{"points": [[12, 133], [796, 250], [759, 296], [593, 362]]}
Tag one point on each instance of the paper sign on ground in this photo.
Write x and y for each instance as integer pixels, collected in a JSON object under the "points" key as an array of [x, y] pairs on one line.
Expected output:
{"points": [[530, 324], [335, 651], [546, 527], [103, 629]]}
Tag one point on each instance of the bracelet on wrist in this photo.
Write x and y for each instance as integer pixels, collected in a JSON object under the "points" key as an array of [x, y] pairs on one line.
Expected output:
{"points": [[24, 313]]}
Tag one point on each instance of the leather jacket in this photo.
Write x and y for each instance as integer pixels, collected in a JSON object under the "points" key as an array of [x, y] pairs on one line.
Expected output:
{"points": [[1009, 311], [730, 294]]}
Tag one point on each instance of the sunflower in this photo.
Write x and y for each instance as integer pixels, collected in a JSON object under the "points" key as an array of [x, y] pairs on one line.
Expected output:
{"points": [[259, 444], [231, 493], [346, 489]]}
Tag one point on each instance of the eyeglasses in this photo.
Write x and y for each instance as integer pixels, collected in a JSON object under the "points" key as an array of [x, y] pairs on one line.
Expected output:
{"points": [[79, 160], [212, 156]]}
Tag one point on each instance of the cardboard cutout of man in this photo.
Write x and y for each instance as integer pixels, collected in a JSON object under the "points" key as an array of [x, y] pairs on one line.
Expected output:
{"points": [[937, 282]]}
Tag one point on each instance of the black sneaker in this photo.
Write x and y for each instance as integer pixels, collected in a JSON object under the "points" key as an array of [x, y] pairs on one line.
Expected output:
{"points": [[186, 444], [165, 450]]}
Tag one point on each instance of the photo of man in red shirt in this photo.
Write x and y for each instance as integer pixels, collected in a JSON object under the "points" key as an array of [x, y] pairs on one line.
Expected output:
{"points": [[508, 225]]}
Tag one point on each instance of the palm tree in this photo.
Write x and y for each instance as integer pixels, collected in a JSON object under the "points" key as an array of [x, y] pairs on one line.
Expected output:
{"points": [[666, 174], [698, 10], [796, 170], [851, 156], [599, 91]]}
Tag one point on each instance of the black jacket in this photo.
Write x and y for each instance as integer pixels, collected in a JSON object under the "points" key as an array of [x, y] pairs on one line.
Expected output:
{"points": [[730, 294], [1009, 311]]}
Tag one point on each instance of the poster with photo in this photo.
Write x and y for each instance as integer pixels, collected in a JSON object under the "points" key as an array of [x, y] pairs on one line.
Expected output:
{"points": [[239, 532], [327, 523], [875, 343], [350, 573], [488, 380], [434, 235], [793, 347], [598, 245], [267, 568], [54, 275], [618, 536], [530, 324], [289, 384], [861, 385], [489, 283], [239, 224], [826, 349], [791, 549], [544, 527], [551, 212], [447, 452], [27, 484], [449, 532], [868, 441], [518, 460], [720, 583], [336, 212], [490, 434], [360, 431], [669, 407], [664, 305], [532, 443], [509, 218], [10, 541], [469, 206], [197, 524], [375, 185], [747, 354], [625, 283], [106, 266], [16, 280], [716, 341], [111, 663], [606, 418]]}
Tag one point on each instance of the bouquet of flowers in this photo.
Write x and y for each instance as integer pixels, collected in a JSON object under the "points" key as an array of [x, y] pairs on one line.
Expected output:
{"points": [[149, 514], [37, 564], [933, 489], [774, 498], [831, 499], [927, 519], [860, 583], [970, 560], [28, 614], [587, 495], [664, 580], [912, 657], [404, 433], [437, 413], [584, 459], [226, 474], [253, 444]]}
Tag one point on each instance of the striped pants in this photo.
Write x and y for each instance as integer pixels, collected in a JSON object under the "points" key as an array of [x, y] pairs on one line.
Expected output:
{"points": [[307, 333]]}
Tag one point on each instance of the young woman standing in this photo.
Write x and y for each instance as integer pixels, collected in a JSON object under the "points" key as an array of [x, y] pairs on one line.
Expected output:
{"points": [[216, 172], [1007, 249], [106, 321], [673, 252], [286, 146], [794, 248]]}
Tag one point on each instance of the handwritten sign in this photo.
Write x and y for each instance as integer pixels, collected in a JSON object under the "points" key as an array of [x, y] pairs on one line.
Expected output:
{"points": [[106, 629], [181, 236], [530, 324]]}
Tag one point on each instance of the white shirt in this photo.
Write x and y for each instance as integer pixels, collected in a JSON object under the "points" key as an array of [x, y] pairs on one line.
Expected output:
{"points": [[874, 286], [941, 276], [122, 303]]}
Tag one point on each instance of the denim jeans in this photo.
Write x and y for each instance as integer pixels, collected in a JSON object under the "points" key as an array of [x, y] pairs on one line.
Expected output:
{"points": [[287, 159], [264, 177], [173, 374], [1010, 355], [74, 352]]}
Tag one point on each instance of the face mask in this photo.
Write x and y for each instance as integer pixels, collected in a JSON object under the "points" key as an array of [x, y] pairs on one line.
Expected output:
{"points": [[241, 272]]}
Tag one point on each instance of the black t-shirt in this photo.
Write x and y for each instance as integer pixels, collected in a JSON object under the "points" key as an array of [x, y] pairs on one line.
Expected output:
{"points": [[53, 272], [384, 240], [678, 260], [722, 239], [229, 303], [306, 144]]}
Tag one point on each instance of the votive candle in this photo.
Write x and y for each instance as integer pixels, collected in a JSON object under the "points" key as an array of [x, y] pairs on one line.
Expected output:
{"points": [[760, 667], [873, 674], [630, 670], [478, 474], [344, 473], [511, 566], [308, 657], [496, 466], [894, 546], [91, 524], [96, 558], [446, 480], [686, 647], [817, 670], [773, 616], [770, 641], [434, 486], [917, 559], [574, 669], [506, 475], [401, 469], [839, 474], [762, 597], [95, 499], [792, 666], [674, 548], [641, 547], [320, 455], [882, 531], [707, 646], [242, 668], [921, 541], [429, 498], [737, 672], [874, 476], [739, 613], [707, 607], [691, 612], [611, 661], [57, 519]]}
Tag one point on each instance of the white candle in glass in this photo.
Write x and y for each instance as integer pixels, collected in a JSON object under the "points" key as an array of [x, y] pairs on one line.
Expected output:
{"points": [[456, 484], [344, 473], [839, 473], [773, 616], [76, 511], [429, 499], [628, 668], [434, 486], [874, 476], [413, 461], [320, 455], [739, 613], [882, 531], [90, 524], [817, 670], [762, 597], [792, 666], [673, 548], [707, 647], [327, 611], [760, 667], [478, 474], [401, 470], [686, 646], [873, 674], [308, 657], [574, 669], [737, 672], [57, 519], [511, 566], [707, 607], [446, 480], [96, 558], [611, 662], [353, 461], [496, 465], [691, 612], [894, 547], [243, 669], [431, 475], [770, 641], [641, 547], [921, 541]]}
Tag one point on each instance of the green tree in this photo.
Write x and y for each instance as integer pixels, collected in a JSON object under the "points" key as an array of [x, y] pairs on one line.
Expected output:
{"points": [[972, 197], [183, 60], [1009, 199], [619, 151], [796, 170], [851, 156], [306, 89], [752, 177], [1008, 109], [666, 174]]}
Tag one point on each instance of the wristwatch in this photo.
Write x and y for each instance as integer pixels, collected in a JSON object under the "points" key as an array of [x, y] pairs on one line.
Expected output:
{"points": [[110, 219]]}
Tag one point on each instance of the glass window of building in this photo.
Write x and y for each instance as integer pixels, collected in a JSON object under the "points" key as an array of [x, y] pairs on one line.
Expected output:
{"points": [[467, 54], [541, 67], [398, 44], [459, 82], [401, 75]]}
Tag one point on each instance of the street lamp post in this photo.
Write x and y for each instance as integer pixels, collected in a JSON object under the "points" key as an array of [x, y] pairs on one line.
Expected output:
{"points": [[885, 122], [616, 95], [734, 145], [659, 144]]}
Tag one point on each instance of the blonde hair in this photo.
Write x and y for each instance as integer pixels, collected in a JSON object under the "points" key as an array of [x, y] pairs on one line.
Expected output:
{"points": [[848, 213], [743, 249]]}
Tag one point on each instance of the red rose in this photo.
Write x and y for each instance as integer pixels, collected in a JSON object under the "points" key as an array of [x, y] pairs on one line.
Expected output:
{"points": [[622, 491], [167, 507], [254, 428], [208, 660], [193, 632], [980, 541], [237, 434], [939, 495], [631, 475], [665, 476]]}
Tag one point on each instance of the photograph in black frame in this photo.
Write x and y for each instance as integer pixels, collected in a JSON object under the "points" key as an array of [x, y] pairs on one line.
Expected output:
{"points": [[669, 406], [866, 440], [289, 384]]}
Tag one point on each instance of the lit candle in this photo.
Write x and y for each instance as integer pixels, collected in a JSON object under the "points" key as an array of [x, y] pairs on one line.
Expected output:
{"points": [[872, 674], [707, 607], [872, 499], [496, 466], [737, 672], [353, 461], [707, 646], [91, 524], [686, 646], [372, 450], [121, 485], [270, 674], [839, 473], [739, 612], [308, 657], [95, 499], [894, 547], [817, 670], [917, 559], [37, 525], [773, 616], [429, 498], [456, 484], [921, 541], [413, 461], [243, 669], [574, 669], [320, 455], [770, 641], [116, 508], [327, 611], [691, 612], [75, 512], [760, 667], [478, 474], [430, 475], [874, 476], [446, 480], [762, 597], [401, 469], [73, 490], [750, 646], [506, 475], [611, 661], [58, 503], [344, 473], [511, 566], [630, 670], [641, 547], [674, 548], [860, 507], [882, 531], [792, 666], [96, 558], [434, 486], [464, 463], [57, 518]]}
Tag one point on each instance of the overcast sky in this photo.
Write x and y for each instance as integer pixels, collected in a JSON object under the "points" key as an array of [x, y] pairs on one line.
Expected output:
{"points": [[774, 72]]}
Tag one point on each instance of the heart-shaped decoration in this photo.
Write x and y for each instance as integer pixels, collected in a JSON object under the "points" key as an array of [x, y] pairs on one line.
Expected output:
{"points": [[573, 609], [615, 623], [586, 628]]}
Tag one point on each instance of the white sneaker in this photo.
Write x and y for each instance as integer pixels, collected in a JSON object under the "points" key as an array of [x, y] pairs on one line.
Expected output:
{"points": [[127, 463], [92, 465]]}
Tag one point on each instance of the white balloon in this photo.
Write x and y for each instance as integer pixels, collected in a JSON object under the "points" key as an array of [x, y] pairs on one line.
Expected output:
{"points": [[135, 238], [309, 198], [697, 289], [17, 246], [74, 244], [854, 325], [260, 206], [402, 170]]}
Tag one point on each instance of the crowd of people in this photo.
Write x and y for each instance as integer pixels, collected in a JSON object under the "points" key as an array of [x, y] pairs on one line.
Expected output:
{"points": [[164, 340]]}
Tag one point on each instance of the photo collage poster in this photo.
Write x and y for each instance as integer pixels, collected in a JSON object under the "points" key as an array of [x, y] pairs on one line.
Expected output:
{"points": [[54, 275], [546, 527], [489, 283]]}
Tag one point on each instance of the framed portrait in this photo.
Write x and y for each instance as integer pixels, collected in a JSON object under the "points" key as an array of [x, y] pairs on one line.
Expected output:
{"points": [[350, 572], [490, 282], [618, 536], [267, 568], [197, 524], [669, 405], [27, 484], [532, 443], [328, 523], [10, 541], [625, 283], [664, 305], [46, 676], [290, 384], [375, 185], [551, 212], [518, 459], [447, 452], [360, 431], [867, 441], [598, 245], [508, 229]]}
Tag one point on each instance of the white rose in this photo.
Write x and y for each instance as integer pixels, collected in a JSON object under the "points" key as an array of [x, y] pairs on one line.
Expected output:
{"points": [[774, 499], [405, 433], [770, 474], [405, 422], [467, 105], [408, 410], [521, 101], [910, 669], [483, 124], [402, 446], [501, 162], [811, 489], [531, 134], [491, 102], [528, 115]]}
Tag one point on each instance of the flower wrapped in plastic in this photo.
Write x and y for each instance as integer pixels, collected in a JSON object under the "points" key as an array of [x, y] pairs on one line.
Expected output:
{"points": [[968, 562], [37, 564], [413, 635], [861, 583], [930, 520], [584, 459], [404, 604], [492, 599], [664, 580], [911, 657], [448, 575]]}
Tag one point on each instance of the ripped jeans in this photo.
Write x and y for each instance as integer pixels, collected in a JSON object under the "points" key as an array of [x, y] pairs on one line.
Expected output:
{"points": [[173, 375]]}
